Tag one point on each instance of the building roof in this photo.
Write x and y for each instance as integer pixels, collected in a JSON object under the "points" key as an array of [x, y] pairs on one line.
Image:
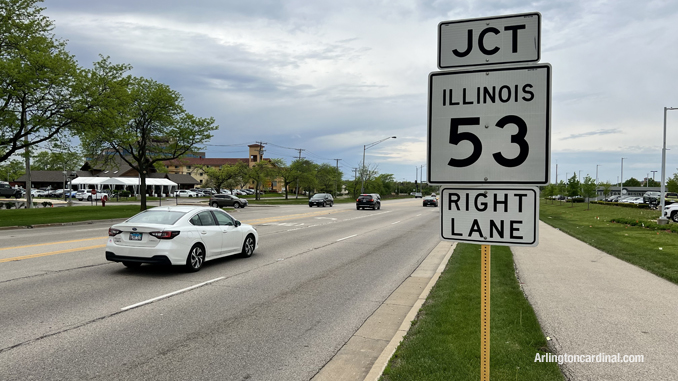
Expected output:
{"points": [[214, 162]]}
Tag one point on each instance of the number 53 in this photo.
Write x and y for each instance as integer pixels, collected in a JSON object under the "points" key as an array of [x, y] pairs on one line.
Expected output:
{"points": [[457, 137]]}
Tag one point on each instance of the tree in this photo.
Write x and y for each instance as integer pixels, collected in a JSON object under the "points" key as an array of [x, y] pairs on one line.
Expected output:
{"points": [[562, 188], [40, 83], [142, 122], [672, 183], [226, 176], [607, 187], [258, 173], [285, 172], [548, 191], [11, 170], [588, 189], [573, 188], [328, 177], [57, 161], [307, 175], [632, 182]]}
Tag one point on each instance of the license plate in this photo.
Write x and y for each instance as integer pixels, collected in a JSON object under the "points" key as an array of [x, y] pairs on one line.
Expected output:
{"points": [[135, 236]]}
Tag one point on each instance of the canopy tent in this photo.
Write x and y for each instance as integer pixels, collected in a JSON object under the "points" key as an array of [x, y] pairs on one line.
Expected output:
{"points": [[111, 182]]}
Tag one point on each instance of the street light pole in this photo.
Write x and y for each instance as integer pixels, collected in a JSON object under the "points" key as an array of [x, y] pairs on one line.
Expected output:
{"points": [[597, 165], [663, 220], [621, 178], [365, 148]]}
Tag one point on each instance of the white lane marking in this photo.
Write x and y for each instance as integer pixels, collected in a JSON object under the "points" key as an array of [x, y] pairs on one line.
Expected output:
{"points": [[418, 215], [393, 223], [170, 294], [351, 236]]}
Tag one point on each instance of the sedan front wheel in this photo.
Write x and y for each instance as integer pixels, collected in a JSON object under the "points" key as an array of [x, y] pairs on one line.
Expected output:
{"points": [[248, 247], [196, 257], [215, 205], [236, 205]]}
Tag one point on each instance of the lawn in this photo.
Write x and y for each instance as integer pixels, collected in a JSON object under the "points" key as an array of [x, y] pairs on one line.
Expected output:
{"points": [[29, 217], [444, 341], [643, 245]]}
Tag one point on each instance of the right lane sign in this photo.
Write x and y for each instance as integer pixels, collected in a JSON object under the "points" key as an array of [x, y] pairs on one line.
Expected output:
{"points": [[491, 215], [490, 126]]}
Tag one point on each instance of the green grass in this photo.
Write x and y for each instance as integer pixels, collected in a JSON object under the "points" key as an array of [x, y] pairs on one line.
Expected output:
{"points": [[444, 341], [653, 250], [29, 217]]}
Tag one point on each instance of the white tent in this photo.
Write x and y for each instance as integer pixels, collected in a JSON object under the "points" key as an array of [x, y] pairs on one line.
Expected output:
{"points": [[99, 182]]}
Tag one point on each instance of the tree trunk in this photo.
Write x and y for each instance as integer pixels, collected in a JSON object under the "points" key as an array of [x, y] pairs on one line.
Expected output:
{"points": [[142, 189]]}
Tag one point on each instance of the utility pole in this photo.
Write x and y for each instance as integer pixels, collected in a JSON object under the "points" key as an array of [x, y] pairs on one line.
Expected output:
{"points": [[335, 179], [259, 159], [355, 179], [297, 191], [653, 172]]}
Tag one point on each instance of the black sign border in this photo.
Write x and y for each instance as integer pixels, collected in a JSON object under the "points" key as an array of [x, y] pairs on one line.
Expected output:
{"points": [[547, 143], [440, 46], [489, 242]]}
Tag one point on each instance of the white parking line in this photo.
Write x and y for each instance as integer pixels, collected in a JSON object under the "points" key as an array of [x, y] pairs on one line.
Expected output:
{"points": [[170, 294], [393, 223], [351, 236]]}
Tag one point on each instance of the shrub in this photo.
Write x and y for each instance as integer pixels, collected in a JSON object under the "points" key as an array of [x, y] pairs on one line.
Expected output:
{"points": [[645, 224]]}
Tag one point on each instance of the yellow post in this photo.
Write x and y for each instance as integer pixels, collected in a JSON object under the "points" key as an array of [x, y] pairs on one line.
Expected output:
{"points": [[485, 313]]}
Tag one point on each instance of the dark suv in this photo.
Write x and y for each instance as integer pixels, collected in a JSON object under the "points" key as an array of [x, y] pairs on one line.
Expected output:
{"points": [[7, 191], [651, 197], [371, 200], [321, 199], [221, 200]]}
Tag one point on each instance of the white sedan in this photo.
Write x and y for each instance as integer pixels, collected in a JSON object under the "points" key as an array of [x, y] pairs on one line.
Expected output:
{"points": [[185, 193], [179, 235]]}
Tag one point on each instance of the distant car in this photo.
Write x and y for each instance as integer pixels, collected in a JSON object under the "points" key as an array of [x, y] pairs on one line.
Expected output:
{"points": [[321, 199], [221, 200], [181, 236], [7, 191], [418, 195], [430, 200], [184, 193], [651, 197], [670, 197], [371, 200], [86, 195]]}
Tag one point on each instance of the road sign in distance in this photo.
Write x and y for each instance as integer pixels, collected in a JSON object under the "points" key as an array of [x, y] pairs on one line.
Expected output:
{"points": [[490, 126], [489, 41], [490, 216]]}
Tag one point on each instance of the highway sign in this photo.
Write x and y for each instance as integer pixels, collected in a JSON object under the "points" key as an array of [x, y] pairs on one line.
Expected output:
{"points": [[491, 215], [490, 125], [489, 41]]}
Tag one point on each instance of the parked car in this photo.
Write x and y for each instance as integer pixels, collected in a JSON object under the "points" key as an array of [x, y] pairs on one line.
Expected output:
{"points": [[225, 191], [181, 236], [86, 195], [184, 193], [321, 199], [221, 200], [670, 197], [7, 191], [372, 200], [418, 195], [671, 212], [614, 198], [430, 200], [651, 197]]}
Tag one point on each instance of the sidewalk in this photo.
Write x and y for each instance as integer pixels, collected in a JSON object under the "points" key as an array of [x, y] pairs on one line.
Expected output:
{"points": [[589, 302]]}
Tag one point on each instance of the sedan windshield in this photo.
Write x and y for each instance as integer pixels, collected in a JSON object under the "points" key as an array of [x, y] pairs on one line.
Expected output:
{"points": [[164, 217]]}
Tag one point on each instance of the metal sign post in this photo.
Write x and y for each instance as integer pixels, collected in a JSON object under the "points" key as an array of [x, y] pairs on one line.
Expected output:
{"points": [[485, 313]]}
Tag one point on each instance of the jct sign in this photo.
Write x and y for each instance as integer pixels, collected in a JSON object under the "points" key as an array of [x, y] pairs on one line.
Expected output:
{"points": [[490, 126], [489, 41], [491, 216]]}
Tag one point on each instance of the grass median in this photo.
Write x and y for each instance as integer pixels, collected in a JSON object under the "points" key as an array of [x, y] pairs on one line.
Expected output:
{"points": [[31, 217], [653, 250], [444, 341]]}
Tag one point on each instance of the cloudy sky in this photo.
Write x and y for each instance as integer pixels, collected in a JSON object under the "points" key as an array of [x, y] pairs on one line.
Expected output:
{"points": [[331, 76]]}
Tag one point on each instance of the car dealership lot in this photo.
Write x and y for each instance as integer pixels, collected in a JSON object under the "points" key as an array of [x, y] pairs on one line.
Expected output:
{"points": [[280, 314]]}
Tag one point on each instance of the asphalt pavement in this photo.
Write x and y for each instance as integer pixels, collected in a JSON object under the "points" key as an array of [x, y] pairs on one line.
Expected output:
{"points": [[590, 303]]}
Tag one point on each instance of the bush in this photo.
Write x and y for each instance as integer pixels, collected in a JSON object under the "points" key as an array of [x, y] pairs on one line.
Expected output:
{"points": [[645, 224], [124, 193]]}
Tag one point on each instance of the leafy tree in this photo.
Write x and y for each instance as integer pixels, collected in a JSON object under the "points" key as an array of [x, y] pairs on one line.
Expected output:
{"points": [[328, 177], [548, 191], [672, 183], [562, 188], [142, 122], [226, 176], [573, 188], [57, 161], [307, 175], [11, 170], [259, 173], [41, 86], [652, 183], [607, 187], [588, 189], [281, 170], [632, 182]]}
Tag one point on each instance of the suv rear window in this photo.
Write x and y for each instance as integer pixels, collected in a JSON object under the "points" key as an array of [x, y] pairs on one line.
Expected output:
{"points": [[366, 197]]}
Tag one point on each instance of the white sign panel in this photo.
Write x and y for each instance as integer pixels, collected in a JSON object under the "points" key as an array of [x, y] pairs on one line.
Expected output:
{"points": [[490, 126], [491, 216], [489, 41]]}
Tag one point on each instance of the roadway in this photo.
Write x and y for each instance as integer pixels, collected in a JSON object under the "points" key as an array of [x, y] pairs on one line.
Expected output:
{"points": [[282, 314]]}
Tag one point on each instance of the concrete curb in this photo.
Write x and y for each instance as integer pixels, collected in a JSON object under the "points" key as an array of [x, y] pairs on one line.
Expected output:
{"points": [[366, 353], [383, 359], [88, 222]]}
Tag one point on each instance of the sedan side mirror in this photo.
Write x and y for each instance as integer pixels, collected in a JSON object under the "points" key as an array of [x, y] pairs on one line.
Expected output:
{"points": [[237, 223]]}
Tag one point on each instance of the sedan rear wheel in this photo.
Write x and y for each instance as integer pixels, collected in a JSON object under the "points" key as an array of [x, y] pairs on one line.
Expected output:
{"points": [[248, 246], [196, 257]]}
